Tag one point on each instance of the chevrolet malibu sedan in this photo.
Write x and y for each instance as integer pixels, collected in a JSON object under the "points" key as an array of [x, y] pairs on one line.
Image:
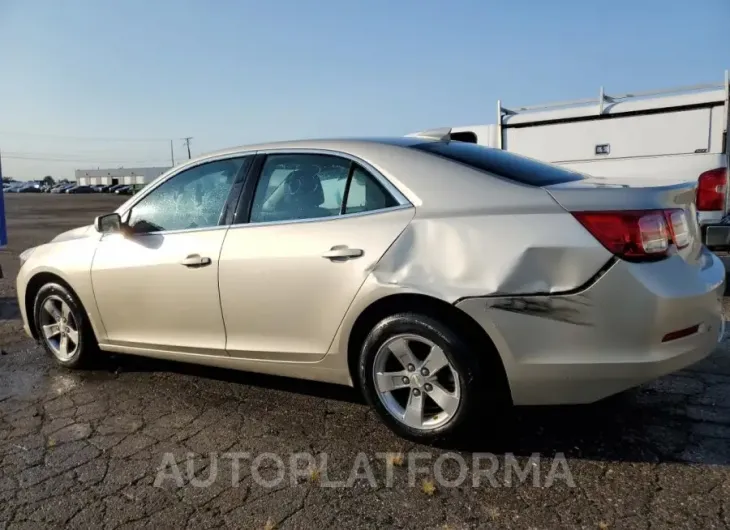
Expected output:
{"points": [[441, 278]]}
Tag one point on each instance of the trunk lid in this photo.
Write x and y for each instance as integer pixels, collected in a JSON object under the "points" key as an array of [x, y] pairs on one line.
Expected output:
{"points": [[615, 194]]}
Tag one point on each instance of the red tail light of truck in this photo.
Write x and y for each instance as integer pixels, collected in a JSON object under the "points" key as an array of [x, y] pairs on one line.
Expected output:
{"points": [[711, 190]]}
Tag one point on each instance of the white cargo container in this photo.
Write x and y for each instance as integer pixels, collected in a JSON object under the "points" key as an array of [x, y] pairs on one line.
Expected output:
{"points": [[670, 135]]}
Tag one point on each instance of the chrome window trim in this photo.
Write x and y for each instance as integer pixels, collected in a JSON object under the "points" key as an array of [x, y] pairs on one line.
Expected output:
{"points": [[125, 208], [275, 223], [382, 179], [322, 219], [403, 202], [173, 232]]}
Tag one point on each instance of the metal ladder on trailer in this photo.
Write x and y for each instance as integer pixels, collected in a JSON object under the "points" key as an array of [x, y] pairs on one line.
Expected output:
{"points": [[604, 99]]}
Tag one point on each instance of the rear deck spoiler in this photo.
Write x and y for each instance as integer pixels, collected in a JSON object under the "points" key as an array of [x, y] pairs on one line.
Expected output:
{"points": [[442, 134]]}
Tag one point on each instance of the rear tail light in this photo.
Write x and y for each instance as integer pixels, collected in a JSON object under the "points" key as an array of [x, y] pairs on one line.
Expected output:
{"points": [[711, 188], [638, 235], [679, 227]]}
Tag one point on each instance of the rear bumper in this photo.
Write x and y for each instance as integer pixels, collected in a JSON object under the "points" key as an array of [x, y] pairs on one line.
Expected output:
{"points": [[608, 338]]}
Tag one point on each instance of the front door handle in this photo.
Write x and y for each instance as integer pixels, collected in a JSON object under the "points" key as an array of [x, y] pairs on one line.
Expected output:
{"points": [[342, 253], [195, 260]]}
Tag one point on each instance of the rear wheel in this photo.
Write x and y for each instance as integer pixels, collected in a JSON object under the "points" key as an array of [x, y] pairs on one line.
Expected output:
{"points": [[420, 377], [62, 326]]}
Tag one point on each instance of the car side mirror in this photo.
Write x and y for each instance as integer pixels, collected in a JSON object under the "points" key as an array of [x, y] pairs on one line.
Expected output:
{"points": [[109, 223]]}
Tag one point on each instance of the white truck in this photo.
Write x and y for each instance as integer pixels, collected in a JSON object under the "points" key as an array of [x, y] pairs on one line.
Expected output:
{"points": [[672, 135]]}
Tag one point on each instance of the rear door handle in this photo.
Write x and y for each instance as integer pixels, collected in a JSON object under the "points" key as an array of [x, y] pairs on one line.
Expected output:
{"points": [[342, 253], [195, 260]]}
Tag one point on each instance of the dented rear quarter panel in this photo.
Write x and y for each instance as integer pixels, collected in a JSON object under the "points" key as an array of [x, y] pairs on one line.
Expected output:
{"points": [[482, 237], [493, 253], [476, 234]]}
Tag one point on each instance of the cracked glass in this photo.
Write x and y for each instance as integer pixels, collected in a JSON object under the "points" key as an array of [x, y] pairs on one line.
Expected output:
{"points": [[191, 199]]}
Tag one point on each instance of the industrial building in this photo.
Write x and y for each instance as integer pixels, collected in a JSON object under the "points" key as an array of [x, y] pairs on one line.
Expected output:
{"points": [[111, 177]]}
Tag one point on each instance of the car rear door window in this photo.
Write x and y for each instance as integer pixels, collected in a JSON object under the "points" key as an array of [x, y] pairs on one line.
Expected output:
{"points": [[501, 163], [365, 194], [300, 186]]}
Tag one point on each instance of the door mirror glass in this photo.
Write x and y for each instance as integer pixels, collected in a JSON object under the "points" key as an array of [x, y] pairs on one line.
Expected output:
{"points": [[108, 223]]}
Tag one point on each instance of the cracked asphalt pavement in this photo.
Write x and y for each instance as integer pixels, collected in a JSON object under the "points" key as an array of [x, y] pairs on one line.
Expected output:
{"points": [[83, 449]]}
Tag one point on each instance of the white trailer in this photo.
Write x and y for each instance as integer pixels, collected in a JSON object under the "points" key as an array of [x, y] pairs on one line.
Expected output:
{"points": [[669, 135]]}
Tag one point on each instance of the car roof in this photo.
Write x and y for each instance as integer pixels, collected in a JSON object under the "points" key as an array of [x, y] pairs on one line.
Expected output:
{"points": [[433, 184], [324, 143]]}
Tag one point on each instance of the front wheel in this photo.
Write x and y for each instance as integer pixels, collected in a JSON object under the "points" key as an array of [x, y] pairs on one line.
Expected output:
{"points": [[62, 326], [420, 377]]}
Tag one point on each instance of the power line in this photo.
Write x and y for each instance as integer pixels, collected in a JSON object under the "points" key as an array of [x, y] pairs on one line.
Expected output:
{"points": [[87, 157], [82, 138], [84, 160], [74, 154]]}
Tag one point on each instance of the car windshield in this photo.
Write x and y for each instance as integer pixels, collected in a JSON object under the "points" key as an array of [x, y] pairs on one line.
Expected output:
{"points": [[501, 163]]}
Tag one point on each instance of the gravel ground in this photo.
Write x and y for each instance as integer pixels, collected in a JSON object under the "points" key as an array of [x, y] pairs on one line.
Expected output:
{"points": [[84, 449]]}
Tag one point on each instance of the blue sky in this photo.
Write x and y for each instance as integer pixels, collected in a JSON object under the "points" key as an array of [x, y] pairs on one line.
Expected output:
{"points": [[77, 74]]}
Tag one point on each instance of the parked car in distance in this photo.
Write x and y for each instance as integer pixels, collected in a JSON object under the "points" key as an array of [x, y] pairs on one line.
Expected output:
{"points": [[80, 189], [29, 188], [443, 279], [61, 188], [130, 189], [115, 187]]}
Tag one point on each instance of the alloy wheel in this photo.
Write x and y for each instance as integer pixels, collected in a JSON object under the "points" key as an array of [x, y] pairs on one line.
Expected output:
{"points": [[416, 382], [59, 327]]}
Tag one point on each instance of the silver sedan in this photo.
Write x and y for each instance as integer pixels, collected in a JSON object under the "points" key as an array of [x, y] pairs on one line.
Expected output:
{"points": [[441, 278]]}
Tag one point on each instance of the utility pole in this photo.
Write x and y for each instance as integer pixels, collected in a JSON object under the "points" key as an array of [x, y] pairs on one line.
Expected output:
{"points": [[187, 144], [172, 155]]}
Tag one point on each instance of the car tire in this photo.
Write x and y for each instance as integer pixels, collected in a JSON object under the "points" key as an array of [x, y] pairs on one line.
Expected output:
{"points": [[464, 381], [55, 305]]}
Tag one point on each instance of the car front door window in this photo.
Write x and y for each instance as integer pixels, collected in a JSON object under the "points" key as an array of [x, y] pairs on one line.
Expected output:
{"points": [[194, 198]]}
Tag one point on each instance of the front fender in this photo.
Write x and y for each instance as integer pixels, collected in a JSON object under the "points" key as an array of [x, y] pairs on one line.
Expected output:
{"points": [[69, 261]]}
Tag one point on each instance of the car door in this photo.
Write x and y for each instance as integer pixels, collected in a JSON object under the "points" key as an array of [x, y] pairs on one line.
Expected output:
{"points": [[315, 226], [156, 284]]}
